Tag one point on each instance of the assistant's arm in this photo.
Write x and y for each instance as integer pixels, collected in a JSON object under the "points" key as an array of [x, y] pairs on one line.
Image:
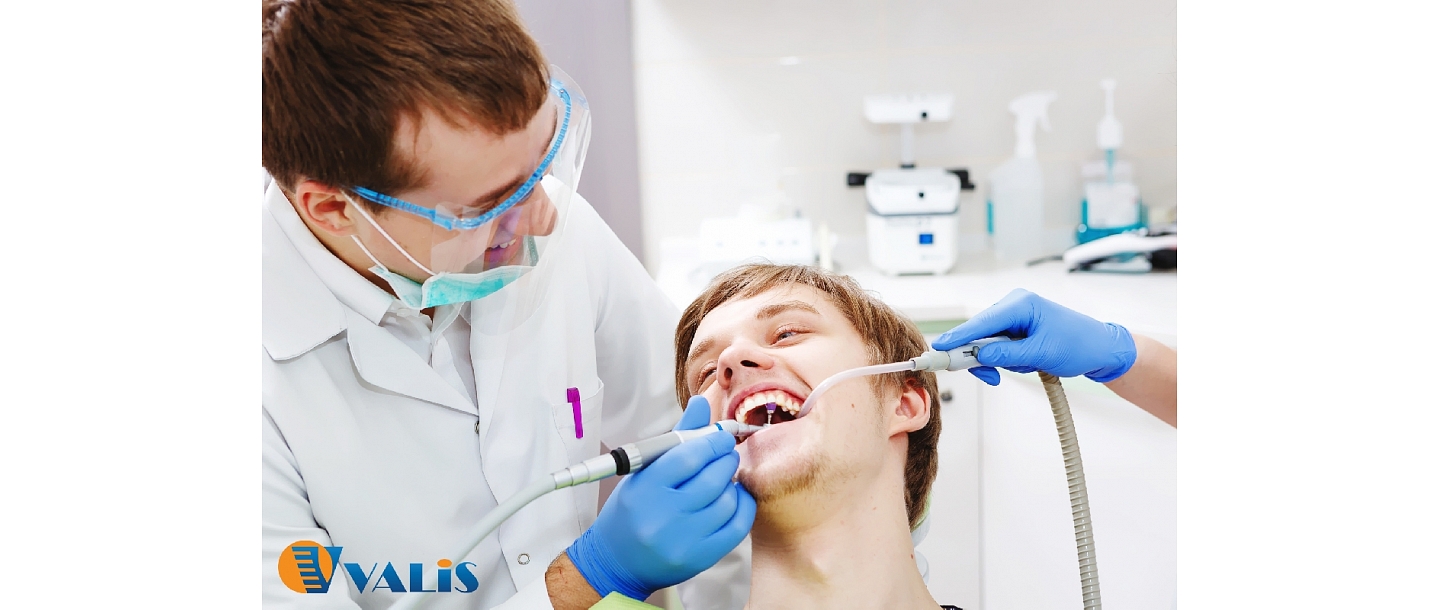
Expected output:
{"points": [[1152, 382]]}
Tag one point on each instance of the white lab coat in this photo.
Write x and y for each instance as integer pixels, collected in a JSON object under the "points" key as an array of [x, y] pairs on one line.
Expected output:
{"points": [[366, 447]]}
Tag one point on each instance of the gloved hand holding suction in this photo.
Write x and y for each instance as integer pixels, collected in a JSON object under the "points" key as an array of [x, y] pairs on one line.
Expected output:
{"points": [[670, 521], [1066, 343], [1050, 338]]}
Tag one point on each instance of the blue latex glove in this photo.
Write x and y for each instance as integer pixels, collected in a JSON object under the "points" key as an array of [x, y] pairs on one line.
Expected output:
{"points": [[1051, 338], [670, 521]]}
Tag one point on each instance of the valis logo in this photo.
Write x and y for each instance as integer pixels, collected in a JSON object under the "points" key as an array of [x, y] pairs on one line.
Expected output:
{"points": [[307, 567]]}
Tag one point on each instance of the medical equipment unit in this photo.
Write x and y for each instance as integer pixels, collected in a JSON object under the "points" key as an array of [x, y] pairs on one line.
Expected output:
{"points": [[913, 214], [1112, 202], [1138, 251], [1016, 208], [636, 456], [758, 231]]}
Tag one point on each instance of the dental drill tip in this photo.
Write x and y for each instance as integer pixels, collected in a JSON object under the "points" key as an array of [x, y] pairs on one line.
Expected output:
{"points": [[737, 428]]}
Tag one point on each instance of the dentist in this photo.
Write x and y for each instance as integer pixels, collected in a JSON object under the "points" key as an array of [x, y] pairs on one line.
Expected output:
{"points": [[445, 320]]}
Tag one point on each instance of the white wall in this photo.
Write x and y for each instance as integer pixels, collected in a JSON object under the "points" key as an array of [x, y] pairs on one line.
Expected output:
{"points": [[1028, 557], [591, 41], [736, 97]]}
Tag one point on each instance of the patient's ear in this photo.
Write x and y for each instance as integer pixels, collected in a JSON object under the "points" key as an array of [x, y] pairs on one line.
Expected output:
{"points": [[912, 409]]}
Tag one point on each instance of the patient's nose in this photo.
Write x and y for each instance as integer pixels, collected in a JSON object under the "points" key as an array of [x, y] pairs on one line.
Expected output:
{"points": [[730, 372], [740, 359]]}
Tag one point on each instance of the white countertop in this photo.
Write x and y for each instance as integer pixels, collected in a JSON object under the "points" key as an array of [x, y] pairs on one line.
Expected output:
{"points": [[1144, 303]]}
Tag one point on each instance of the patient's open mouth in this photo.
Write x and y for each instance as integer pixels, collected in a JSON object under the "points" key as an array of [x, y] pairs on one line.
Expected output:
{"points": [[770, 406]]}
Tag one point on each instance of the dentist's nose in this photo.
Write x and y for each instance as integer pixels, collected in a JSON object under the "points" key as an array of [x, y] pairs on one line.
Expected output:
{"points": [[538, 214]]}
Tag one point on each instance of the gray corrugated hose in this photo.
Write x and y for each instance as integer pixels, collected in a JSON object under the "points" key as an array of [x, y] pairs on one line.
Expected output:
{"points": [[1079, 497]]}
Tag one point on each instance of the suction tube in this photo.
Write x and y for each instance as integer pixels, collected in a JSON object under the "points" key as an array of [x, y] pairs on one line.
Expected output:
{"points": [[831, 381], [1079, 496]]}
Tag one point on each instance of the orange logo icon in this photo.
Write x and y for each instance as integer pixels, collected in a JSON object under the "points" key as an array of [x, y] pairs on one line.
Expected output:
{"points": [[307, 567]]}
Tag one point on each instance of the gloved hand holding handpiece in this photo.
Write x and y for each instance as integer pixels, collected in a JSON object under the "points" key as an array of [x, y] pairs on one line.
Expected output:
{"points": [[667, 523]]}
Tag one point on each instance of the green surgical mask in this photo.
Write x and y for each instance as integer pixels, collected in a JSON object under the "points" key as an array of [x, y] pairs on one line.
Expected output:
{"points": [[443, 288], [449, 288]]}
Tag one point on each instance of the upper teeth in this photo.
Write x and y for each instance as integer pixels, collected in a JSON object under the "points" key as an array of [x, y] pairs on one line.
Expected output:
{"points": [[503, 246], [781, 398]]}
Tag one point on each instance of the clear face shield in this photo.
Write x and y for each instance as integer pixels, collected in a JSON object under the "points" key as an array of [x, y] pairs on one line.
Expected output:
{"points": [[476, 248]]}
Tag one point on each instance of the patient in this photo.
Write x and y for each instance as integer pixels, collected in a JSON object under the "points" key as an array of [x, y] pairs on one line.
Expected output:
{"points": [[839, 490]]}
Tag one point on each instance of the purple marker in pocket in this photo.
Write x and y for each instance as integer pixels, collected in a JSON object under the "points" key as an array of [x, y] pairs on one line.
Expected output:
{"points": [[573, 396]]}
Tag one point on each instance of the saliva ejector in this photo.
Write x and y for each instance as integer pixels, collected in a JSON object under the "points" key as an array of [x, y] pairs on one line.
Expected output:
{"points": [[636, 456]]}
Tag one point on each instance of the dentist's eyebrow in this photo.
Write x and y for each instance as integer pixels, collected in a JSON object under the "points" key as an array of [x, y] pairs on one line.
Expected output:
{"points": [[510, 187], [770, 311], [494, 194]]}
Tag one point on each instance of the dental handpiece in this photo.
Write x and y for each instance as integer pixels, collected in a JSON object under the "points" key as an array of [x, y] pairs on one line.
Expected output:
{"points": [[639, 454]]}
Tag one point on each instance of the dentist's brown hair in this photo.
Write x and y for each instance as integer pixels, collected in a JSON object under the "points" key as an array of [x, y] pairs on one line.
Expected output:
{"points": [[889, 337], [338, 77]]}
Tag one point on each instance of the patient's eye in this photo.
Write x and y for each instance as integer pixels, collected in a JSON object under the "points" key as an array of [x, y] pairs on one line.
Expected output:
{"points": [[704, 374], [787, 332]]}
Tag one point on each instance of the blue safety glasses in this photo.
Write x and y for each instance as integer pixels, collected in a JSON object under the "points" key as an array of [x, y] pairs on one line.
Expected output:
{"points": [[448, 221]]}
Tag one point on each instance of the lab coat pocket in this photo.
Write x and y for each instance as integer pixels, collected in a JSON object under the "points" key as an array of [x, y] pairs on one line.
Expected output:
{"points": [[577, 419]]}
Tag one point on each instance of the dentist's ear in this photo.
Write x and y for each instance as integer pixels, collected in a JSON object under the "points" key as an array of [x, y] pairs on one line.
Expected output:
{"points": [[324, 207], [912, 409]]}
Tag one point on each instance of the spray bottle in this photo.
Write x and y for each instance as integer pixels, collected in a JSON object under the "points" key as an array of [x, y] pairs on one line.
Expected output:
{"points": [[1017, 189]]}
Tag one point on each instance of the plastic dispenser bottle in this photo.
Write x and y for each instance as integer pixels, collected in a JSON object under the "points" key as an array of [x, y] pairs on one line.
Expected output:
{"points": [[1017, 190], [1112, 201], [1108, 133]]}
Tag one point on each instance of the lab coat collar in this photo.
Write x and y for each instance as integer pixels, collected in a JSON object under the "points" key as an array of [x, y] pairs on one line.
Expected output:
{"points": [[300, 312], [353, 290], [384, 361], [297, 311]]}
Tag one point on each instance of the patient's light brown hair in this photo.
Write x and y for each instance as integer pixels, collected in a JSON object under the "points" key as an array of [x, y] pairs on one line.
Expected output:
{"points": [[338, 76], [889, 337]]}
